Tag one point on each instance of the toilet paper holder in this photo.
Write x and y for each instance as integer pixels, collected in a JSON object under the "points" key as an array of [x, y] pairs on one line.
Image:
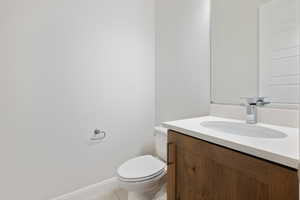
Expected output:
{"points": [[98, 135]]}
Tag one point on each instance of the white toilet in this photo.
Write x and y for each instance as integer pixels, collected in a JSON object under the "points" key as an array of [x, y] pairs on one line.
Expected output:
{"points": [[143, 176]]}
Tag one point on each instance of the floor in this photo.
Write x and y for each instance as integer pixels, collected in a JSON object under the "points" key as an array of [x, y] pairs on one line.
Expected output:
{"points": [[116, 195], [122, 195]]}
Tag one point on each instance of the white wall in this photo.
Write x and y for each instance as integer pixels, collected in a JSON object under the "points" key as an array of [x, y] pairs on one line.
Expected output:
{"points": [[67, 67], [182, 59], [299, 101], [267, 115]]}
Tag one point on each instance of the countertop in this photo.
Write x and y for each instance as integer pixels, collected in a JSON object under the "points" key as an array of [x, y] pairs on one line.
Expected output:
{"points": [[284, 151]]}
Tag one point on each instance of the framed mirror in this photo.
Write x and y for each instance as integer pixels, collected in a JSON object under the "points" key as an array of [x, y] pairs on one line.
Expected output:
{"points": [[255, 51]]}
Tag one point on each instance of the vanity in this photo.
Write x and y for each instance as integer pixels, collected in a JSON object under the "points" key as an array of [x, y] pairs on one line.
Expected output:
{"points": [[211, 158], [255, 53]]}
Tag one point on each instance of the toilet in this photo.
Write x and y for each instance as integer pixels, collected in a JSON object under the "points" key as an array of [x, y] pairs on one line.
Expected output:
{"points": [[144, 176]]}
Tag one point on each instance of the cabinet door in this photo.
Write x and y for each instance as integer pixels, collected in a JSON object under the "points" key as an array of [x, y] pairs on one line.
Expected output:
{"points": [[198, 170]]}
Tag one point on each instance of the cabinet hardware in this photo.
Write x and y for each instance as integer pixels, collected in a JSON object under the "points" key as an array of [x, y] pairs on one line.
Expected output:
{"points": [[171, 154]]}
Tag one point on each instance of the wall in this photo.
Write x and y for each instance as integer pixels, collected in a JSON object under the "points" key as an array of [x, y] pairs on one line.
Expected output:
{"points": [[182, 59], [299, 99], [67, 67], [268, 115]]}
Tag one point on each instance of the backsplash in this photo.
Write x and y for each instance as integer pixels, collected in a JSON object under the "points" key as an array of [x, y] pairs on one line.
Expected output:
{"points": [[267, 115]]}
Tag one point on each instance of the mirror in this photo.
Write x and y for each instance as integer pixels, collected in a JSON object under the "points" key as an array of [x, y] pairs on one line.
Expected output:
{"points": [[255, 50]]}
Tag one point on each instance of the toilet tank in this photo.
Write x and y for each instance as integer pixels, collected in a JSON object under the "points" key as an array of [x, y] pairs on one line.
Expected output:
{"points": [[161, 140]]}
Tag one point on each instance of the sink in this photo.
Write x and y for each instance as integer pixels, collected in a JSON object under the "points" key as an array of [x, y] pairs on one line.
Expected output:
{"points": [[243, 129]]}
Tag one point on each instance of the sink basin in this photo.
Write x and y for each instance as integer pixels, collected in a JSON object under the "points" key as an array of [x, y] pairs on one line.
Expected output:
{"points": [[243, 129]]}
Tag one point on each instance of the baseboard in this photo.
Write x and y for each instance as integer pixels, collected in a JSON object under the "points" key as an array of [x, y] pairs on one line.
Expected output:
{"points": [[92, 191]]}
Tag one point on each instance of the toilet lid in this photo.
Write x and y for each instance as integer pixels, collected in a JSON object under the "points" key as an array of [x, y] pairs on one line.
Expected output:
{"points": [[141, 167]]}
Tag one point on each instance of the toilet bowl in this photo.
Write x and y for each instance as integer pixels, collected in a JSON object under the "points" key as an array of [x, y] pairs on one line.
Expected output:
{"points": [[144, 176]]}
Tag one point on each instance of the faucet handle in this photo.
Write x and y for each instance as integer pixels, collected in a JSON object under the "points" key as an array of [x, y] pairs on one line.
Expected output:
{"points": [[262, 102], [258, 101]]}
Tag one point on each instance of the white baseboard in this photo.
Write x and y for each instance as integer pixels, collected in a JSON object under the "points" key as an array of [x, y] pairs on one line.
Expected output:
{"points": [[92, 191]]}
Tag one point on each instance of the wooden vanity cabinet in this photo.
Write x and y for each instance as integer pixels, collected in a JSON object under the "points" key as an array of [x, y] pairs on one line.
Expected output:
{"points": [[199, 170]]}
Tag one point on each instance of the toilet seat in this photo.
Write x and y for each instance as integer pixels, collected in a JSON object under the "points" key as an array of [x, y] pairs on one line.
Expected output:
{"points": [[140, 180], [141, 169]]}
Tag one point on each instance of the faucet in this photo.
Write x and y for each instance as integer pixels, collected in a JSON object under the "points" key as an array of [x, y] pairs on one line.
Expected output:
{"points": [[251, 108]]}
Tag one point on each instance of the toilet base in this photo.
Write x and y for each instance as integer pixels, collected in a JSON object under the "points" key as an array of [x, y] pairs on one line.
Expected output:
{"points": [[140, 196]]}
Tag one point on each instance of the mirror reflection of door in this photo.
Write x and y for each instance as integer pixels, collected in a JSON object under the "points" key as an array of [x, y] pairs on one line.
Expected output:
{"points": [[279, 51]]}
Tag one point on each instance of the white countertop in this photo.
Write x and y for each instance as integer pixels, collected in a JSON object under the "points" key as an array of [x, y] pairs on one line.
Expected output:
{"points": [[284, 151]]}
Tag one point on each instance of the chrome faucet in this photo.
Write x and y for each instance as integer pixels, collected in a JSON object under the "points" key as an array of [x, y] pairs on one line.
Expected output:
{"points": [[251, 108]]}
